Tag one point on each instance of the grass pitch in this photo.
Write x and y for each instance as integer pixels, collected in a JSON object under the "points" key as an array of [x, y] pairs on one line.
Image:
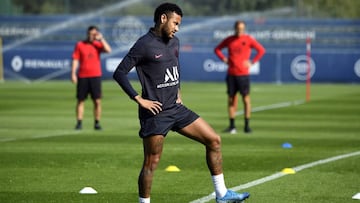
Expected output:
{"points": [[42, 159]]}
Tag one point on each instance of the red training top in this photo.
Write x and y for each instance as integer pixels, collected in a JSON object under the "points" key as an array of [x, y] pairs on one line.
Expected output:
{"points": [[88, 54], [239, 51]]}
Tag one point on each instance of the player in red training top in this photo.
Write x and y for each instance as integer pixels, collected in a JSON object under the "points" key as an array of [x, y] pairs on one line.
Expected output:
{"points": [[239, 48], [86, 56]]}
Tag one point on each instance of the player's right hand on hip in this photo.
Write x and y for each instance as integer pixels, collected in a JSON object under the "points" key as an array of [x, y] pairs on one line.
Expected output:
{"points": [[154, 106]]}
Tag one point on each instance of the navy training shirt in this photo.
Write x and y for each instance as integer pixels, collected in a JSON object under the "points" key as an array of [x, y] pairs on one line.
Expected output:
{"points": [[157, 66]]}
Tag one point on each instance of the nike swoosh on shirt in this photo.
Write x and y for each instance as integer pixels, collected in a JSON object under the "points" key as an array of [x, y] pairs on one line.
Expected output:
{"points": [[158, 56]]}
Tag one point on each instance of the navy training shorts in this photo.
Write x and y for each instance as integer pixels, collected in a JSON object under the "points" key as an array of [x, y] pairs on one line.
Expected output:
{"points": [[173, 119]]}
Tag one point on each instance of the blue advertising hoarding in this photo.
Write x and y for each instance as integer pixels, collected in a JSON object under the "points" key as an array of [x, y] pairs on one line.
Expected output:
{"points": [[39, 48]]}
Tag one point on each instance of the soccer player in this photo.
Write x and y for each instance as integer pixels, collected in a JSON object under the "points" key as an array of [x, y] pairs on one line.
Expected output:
{"points": [[86, 57], [239, 48], [155, 56]]}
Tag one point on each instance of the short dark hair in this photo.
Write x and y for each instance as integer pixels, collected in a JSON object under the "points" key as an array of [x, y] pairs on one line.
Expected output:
{"points": [[239, 22], [91, 27], [166, 8]]}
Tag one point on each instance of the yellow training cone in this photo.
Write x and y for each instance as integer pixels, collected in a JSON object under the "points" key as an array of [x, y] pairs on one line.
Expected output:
{"points": [[172, 168], [288, 171]]}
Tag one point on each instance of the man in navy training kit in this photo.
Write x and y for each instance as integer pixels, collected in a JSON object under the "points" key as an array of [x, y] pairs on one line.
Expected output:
{"points": [[155, 56]]}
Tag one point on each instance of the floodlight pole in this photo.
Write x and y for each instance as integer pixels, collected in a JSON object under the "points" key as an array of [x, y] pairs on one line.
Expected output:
{"points": [[308, 58]]}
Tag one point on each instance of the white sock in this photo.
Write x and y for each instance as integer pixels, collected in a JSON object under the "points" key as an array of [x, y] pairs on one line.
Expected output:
{"points": [[144, 200], [219, 185]]}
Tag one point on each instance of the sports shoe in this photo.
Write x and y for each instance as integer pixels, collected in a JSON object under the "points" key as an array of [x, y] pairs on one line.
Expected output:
{"points": [[230, 130], [233, 197], [78, 126], [97, 126], [247, 130]]}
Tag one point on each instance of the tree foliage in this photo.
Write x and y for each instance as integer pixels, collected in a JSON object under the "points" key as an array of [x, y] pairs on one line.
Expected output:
{"points": [[331, 8], [302, 8]]}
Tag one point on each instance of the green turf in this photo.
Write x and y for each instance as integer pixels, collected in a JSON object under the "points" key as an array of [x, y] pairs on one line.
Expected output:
{"points": [[42, 159]]}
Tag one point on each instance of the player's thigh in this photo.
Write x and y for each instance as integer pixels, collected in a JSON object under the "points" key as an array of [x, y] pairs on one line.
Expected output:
{"points": [[201, 131], [233, 100], [153, 145]]}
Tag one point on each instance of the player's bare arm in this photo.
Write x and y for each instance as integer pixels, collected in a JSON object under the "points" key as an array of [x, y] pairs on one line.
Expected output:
{"points": [[106, 45], [225, 60], [179, 100], [247, 63], [74, 66]]}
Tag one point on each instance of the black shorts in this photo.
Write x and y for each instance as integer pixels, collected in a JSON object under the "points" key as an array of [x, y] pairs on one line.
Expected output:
{"points": [[171, 119], [238, 84], [87, 86]]}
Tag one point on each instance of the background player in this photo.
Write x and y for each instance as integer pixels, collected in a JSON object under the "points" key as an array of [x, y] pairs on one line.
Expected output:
{"points": [[86, 56], [239, 48]]}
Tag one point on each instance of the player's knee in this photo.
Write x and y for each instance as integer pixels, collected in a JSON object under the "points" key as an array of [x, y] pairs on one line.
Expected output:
{"points": [[156, 160], [97, 102], [152, 163], [215, 143]]}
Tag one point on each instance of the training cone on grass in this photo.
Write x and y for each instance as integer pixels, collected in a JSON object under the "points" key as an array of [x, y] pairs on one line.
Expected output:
{"points": [[357, 196], [88, 190], [172, 168], [288, 171]]}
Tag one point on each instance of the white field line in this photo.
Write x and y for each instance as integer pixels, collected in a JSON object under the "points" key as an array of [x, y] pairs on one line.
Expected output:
{"points": [[63, 133], [279, 175], [274, 106], [7, 139]]}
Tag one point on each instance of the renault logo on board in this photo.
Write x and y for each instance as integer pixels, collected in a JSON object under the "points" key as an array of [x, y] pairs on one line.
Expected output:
{"points": [[17, 63]]}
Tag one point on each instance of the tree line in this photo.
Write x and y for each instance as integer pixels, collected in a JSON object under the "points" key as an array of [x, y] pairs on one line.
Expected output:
{"points": [[301, 8]]}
